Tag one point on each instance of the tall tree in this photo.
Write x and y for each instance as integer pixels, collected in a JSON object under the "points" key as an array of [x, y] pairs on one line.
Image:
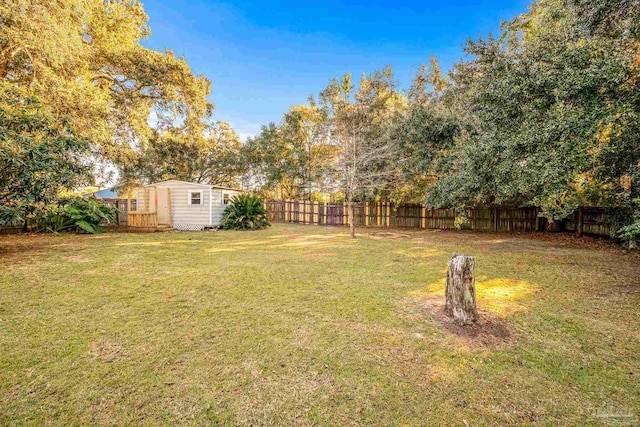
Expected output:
{"points": [[296, 156], [213, 157], [549, 112], [360, 127], [39, 156], [84, 59], [426, 132]]}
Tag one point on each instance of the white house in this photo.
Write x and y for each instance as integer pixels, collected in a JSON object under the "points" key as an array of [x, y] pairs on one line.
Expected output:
{"points": [[181, 205]]}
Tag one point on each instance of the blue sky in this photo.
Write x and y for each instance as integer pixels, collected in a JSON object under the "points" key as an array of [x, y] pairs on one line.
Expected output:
{"points": [[264, 56]]}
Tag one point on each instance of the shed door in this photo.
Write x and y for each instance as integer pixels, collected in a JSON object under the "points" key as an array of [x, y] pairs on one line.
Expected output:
{"points": [[163, 206]]}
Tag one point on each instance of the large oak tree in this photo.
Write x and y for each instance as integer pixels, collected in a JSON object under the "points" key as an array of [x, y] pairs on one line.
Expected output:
{"points": [[85, 60]]}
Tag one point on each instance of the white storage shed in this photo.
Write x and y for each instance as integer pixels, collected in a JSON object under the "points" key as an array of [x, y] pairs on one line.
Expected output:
{"points": [[181, 205]]}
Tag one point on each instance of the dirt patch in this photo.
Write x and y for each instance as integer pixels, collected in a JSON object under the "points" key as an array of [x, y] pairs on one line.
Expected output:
{"points": [[18, 245], [388, 235], [490, 331]]}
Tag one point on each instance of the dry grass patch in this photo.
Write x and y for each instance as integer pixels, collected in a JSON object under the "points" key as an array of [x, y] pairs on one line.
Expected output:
{"points": [[298, 325]]}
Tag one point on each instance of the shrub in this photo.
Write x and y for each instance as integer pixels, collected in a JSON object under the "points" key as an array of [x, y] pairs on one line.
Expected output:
{"points": [[76, 214], [630, 234], [246, 212]]}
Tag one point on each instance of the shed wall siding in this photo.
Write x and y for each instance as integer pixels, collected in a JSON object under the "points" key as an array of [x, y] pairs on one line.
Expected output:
{"points": [[217, 205], [186, 216]]}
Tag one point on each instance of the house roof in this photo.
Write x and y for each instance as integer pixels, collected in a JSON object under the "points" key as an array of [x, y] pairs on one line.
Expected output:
{"points": [[107, 193], [195, 184]]}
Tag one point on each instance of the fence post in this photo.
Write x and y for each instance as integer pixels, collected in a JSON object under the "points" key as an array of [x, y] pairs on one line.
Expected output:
{"points": [[423, 216], [366, 214], [324, 212], [580, 224], [344, 208], [495, 219], [385, 212], [388, 213], [312, 211]]}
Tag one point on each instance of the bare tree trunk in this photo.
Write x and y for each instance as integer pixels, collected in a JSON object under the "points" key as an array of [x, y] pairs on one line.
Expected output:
{"points": [[352, 226], [461, 290]]}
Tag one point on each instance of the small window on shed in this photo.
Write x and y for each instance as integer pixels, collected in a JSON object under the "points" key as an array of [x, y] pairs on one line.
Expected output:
{"points": [[195, 197], [226, 199]]}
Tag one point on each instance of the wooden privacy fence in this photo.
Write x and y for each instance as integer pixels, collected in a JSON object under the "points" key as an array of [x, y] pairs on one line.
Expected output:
{"points": [[588, 220], [121, 205]]}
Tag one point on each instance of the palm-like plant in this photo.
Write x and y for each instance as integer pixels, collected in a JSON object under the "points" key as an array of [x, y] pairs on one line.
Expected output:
{"points": [[246, 212]]}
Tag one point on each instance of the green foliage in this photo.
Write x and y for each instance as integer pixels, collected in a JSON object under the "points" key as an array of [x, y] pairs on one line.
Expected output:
{"points": [[295, 156], [246, 212], [76, 214], [85, 59], [629, 232], [214, 157], [548, 114], [39, 156]]}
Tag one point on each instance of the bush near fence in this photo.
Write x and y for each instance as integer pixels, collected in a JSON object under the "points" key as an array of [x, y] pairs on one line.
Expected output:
{"points": [[587, 220], [120, 204]]}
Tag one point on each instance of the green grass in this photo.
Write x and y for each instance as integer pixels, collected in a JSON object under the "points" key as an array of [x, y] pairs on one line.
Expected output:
{"points": [[300, 325]]}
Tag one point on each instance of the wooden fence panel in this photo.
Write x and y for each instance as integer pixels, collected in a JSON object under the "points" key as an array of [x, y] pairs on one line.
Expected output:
{"points": [[335, 214], [359, 215], [441, 219], [589, 220], [516, 219], [275, 210], [405, 216], [481, 219], [594, 221]]}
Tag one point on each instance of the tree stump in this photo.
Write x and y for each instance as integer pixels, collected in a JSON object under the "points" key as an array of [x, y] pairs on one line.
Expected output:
{"points": [[461, 290]]}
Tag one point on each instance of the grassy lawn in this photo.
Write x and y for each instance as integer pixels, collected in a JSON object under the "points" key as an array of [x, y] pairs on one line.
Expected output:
{"points": [[300, 325]]}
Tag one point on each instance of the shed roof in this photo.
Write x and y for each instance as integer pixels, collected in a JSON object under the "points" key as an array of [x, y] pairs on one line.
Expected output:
{"points": [[177, 181]]}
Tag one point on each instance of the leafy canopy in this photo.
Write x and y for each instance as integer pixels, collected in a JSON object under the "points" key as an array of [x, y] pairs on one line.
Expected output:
{"points": [[548, 113], [84, 59], [213, 157], [39, 156]]}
